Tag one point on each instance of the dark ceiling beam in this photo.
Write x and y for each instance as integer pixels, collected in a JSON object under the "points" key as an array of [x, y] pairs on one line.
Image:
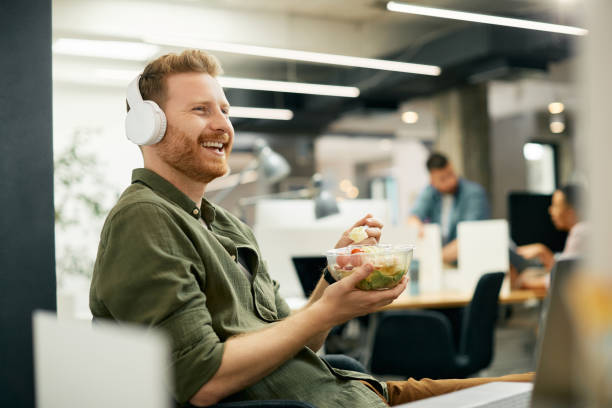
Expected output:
{"points": [[473, 54]]}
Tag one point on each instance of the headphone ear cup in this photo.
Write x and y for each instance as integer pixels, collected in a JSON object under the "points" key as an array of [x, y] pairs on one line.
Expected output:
{"points": [[145, 123]]}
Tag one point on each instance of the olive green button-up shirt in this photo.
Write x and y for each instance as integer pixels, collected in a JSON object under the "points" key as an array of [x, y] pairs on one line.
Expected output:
{"points": [[159, 265]]}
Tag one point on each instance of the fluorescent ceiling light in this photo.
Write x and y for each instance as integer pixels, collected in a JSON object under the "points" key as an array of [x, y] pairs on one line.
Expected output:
{"points": [[410, 117], [125, 75], [260, 113], [124, 50], [295, 55], [293, 87], [484, 18]]}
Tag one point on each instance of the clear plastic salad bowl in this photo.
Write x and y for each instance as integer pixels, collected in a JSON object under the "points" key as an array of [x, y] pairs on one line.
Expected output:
{"points": [[390, 263]]}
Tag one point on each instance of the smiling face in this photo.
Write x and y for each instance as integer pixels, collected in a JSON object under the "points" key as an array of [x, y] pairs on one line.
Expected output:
{"points": [[200, 136]]}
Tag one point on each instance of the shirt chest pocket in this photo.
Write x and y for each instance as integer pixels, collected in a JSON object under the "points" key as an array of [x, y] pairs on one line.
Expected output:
{"points": [[262, 287], [264, 297]]}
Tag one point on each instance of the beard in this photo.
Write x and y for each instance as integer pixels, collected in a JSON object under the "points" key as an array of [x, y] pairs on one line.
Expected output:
{"points": [[184, 154]]}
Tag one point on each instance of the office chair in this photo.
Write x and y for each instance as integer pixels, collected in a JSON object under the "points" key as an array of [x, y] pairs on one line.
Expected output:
{"points": [[420, 343]]}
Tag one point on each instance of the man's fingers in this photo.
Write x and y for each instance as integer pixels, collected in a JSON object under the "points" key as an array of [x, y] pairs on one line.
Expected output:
{"points": [[367, 241], [359, 273], [401, 286], [421, 231], [373, 223], [374, 233], [361, 222]]}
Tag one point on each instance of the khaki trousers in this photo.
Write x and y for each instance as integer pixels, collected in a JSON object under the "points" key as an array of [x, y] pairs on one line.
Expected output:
{"points": [[401, 392]]}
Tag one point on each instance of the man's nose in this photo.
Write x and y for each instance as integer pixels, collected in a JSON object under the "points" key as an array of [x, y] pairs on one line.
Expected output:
{"points": [[221, 123]]}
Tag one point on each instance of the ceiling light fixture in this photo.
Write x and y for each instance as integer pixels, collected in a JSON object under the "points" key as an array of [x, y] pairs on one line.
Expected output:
{"points": [[296, 55], [556, 107], [557, 127], [484, 18], [410, 117], [123, 76], [124, 50], [260, 113], [292, 87]]}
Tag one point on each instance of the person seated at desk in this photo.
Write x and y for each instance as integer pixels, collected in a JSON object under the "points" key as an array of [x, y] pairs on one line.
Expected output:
{"points": [[565, 214], [447, 201], [170, 259]]}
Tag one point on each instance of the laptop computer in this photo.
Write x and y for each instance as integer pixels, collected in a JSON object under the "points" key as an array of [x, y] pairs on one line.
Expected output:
{"points": [[553, 383], [100, 366], [495, 394], [482, 248]]}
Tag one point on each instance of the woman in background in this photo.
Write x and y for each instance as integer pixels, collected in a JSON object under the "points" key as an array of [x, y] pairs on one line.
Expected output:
{"points": [[565, 214]]}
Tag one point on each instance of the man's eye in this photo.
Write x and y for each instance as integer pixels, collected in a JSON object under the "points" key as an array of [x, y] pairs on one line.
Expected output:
{"points": [[200, 108]]}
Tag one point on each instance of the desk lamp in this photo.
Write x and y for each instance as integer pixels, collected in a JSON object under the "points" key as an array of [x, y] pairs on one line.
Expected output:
{"points": [[272, 165]]}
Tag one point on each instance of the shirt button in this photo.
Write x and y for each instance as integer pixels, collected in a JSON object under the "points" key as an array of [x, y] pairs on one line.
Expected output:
{"points": [[195, 211], [233, 257]]}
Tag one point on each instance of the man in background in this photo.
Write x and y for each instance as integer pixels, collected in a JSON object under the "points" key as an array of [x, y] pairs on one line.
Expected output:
{"points": [[447, 201]]}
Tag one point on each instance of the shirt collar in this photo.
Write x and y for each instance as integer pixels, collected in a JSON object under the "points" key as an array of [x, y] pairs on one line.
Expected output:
{"points": [[162, 186]]}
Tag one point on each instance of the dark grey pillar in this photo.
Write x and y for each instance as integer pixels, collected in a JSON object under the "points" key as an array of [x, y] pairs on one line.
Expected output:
{"points": [[464, 131], [27, 254]]}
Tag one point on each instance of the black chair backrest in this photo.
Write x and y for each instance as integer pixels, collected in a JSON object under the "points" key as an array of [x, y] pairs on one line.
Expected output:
{"points": [[413, 343], [309, 269], [479, 322]]}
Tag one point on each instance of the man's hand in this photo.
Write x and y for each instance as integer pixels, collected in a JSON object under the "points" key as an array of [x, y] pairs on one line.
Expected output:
{"points": [[373, 230], [450, 252], [415, 221], [537, 251], [342, 301]]}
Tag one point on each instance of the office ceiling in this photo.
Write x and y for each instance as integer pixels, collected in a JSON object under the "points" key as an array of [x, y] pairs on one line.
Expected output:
{"points": [[466, 52]]}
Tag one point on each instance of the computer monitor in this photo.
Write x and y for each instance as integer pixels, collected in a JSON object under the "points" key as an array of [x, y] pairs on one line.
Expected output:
{"points": [[530, 221], [309, 270]]}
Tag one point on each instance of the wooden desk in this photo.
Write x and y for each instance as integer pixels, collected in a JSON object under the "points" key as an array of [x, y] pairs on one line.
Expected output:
{"points": [[446, 299]]}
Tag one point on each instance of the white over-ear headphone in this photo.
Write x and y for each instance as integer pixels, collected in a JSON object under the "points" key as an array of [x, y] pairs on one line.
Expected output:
{"points": [[145, 123]]}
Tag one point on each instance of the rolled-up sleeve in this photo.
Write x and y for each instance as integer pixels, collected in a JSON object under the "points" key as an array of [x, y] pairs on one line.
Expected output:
{"points": [[149, 272]]}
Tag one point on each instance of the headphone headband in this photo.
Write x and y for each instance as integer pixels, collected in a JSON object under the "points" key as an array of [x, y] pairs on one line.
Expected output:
{"points": [[133, 92]]}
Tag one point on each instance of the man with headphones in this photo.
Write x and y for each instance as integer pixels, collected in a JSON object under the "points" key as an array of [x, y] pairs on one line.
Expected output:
{"points": [[169, 258]]}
